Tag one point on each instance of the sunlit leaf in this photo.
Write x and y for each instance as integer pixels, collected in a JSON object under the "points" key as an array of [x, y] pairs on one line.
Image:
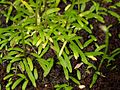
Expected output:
{"points": [[9, 12], [87, 43], [29, 73], [44, 51], [49, 11], [62, 61], [15, 60], [8, 76], [21, 75], [57, 2], [8, 67], [93, 58], [67, 7], [67, 60], [16, 83], [96, 16], [27, 6], [46, 65], [16, 49], [35, 73], [9, 83], [29, 60], [22, 67], [24, 85], [64, 44]]}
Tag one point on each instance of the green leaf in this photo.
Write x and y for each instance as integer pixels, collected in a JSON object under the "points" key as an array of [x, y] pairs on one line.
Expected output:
{"points": [[16, 83], [80, 22], [3, 45], [16, 49], [75, 51], [8, 67], [38, 42], [28, 6], [74, 80], [12, 53], [96, 16], [24, 85], [22, 76], [8, 76], [84, 20], [29, 60], [84, 13], [95, 53], [39, 49], [64, 44], [57, 2], [87, 42], [44, 51], [114, 14], [66, 73], [66, 50], [15, 60], [118, 4], [99, 47], [49, 11], [67, 60], [35, 73], [93, 38], [94, 79], [83, 6], [79, 44], [46, 65], [78, 75], [62, 61], [22, 66], [35, 55], [115, 54], [56, 46], [87, 29], [83, 57], [67, 7], [8, 88], [4, 41], [116, 50], [30, 75], [9, 12], [8, 84], [19, 15]]}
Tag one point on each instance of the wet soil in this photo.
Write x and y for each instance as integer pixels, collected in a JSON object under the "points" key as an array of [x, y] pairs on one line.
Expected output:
{"points": [[111, 81]]}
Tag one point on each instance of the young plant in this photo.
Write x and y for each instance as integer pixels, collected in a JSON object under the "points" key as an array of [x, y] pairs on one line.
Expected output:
{"points": [[63, 87]]}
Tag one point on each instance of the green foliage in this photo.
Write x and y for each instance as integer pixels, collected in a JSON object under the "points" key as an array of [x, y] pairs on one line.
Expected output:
{"points": [[39, 26], [46, 65], [63, 87]]}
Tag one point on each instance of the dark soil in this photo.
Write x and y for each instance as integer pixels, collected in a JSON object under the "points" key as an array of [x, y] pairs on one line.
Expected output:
{"points": [[111, 81]]}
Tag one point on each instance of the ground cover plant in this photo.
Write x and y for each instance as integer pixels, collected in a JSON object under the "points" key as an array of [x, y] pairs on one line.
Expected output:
{"points": [[44, 34]]}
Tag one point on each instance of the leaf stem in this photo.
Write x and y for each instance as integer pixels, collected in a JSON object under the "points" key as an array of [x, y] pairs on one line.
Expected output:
{"points": [[106, 49]]}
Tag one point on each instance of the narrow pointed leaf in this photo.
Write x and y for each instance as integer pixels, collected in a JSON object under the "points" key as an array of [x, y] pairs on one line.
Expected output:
{"points": [[16, 83], [30, 75], [24, 85]]}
